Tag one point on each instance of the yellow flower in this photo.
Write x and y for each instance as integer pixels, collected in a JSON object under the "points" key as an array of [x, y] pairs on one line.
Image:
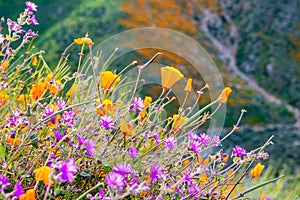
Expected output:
{"points": [[203, 179], [43, 174], [178, 121], [22, 98], [4, 66], [169, 76], [224, 95], [34, 61], [29, 195], [108, 79], [147, 102], [188, 87], [127, 129], [85, 40], [13, 141], [71, 90], [38, 90], [255, 173], [104, 107], [3, 98]]}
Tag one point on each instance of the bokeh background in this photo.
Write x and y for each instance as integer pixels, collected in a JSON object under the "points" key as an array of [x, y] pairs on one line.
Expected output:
{"points": [[256, 45]]}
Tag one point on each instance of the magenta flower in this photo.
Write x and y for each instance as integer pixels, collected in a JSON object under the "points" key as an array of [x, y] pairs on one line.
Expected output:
{"points": [[170, 142], [115, 180], [133, 152], [195, 147], [90, 147], [80, 139], [31, 6], [33, 21], [19, 190], [61, 104], [238, 151], [156, 172], [106, 122], [204, 139], [138, 104], [122, 169], [68, 170]]}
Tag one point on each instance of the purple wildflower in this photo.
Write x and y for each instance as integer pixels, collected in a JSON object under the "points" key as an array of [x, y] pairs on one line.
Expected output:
{"points": [[133, 152], [101, 193], [156, 172], [80, 139], [193, 136], [195, 147], [14, 26], [138, 104], [61, 104], [31, 6], [67, 117], [156, 138], [106, 122], [68, 170], [33, 21], [59, 134], [122, 169], [204, 139], [48, 112], [115, 180], [238, 151], [2, 38], [4, 182], [19, 190], [90, 147], [194, 189], [170, 142], [216, 140]]}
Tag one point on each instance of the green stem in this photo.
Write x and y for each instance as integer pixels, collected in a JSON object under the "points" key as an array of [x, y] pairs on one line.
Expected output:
{"points": [[88, 191], [258, 186]]}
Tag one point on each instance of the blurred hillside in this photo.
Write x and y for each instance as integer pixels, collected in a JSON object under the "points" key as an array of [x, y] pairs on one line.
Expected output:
{"points": [[264, 38]]}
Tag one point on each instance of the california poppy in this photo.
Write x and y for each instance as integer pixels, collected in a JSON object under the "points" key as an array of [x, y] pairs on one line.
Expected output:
{"points": [[255, 173], [43, 174], [224, 95], [188, 87], [108, 79], [169, 76]]}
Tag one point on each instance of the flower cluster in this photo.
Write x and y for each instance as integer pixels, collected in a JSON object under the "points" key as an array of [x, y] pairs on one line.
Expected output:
{"points": [[63, 138]]}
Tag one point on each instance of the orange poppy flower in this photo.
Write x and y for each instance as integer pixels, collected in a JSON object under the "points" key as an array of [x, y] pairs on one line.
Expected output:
{"points": [[169, 76], [38, 90], [255, 173], [29, 195], [108, 79], [203, 179], [127, 129], [4, 66], [178, 121], [22, 98], [147, 102], [104, 107], [85, 40], [13, 141], [224, 95], [3, 98], [54, 86], [43, 174], [71, 90], [188, 87]]}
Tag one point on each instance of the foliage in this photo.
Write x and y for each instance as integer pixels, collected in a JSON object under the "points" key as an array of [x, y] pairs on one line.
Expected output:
{"points": [[99, 141]]}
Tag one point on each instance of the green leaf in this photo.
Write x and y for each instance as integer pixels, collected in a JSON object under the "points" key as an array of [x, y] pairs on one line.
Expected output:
{"points": [[84, 174], [2, 152]]}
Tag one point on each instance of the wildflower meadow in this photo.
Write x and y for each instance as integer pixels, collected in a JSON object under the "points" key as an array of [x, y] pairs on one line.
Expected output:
{"points": [[71, 132]]}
